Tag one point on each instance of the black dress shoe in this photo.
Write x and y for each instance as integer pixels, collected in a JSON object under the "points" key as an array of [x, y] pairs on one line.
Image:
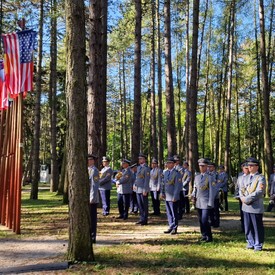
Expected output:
{"points": [[174, 232], [139, 222], [209, 240], [119, 217], [203, 239], [143, 223], [169, 230]]}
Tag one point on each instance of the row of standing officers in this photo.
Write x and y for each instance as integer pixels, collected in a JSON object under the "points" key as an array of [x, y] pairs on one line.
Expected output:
{"points": [[134, 184]]}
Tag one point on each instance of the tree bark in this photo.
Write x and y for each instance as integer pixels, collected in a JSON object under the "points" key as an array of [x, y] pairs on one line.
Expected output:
{"points": [[136, 133], [52, 99], [266, 94], [80, 246], [37, 116], [193, 92], [169, 90]]}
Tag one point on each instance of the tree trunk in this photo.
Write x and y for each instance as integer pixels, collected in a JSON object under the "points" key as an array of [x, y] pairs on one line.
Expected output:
{"points": [[95, 92], [160, 134], [136, 134], [153, 94], [266, 95], [37, 116], [80, 246], [227, 155], [169, 90], [193, 92], [52, 100]]}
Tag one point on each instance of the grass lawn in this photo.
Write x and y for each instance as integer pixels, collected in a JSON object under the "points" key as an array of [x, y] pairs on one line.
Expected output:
{"points": [[125, 248]]}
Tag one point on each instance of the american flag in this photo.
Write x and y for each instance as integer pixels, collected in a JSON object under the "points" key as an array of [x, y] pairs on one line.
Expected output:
{"points": [[4, 103], [18, 61]]}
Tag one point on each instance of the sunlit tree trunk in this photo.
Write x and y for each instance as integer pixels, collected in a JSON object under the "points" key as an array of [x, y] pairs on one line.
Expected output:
{"points": [[80, 245], [37, 116], [170, 104], [136, 133]]}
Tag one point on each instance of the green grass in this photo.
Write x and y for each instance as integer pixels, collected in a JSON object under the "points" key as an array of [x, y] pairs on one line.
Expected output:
{"points": [[180, 254]]}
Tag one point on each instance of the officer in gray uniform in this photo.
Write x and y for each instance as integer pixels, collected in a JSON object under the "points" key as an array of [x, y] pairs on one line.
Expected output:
{"points": [[124, 189], [223, 181], [271, 191], [172, 185], [155, 184], [94, 198], [252, 193], [141, 187], [186, 180], [180, 169], [203, 196], [105, 185]]}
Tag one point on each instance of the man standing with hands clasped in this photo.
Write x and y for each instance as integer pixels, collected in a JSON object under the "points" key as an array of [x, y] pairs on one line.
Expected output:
{"points": [[252, 192], [141, 187], [203, 196]]}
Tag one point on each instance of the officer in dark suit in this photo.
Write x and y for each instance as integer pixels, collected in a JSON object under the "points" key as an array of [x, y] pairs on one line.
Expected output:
{"points": [[133, 198], [172, 185], [252, 193], [105, 185], [203, 196], [94, 198], [186, 181], [215, 212], [124, 189], [180, 169], [271, 191], [141, 186], [223, 182]]}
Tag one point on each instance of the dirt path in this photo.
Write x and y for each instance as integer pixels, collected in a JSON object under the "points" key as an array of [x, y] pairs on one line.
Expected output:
{"points": [[22, 252]]}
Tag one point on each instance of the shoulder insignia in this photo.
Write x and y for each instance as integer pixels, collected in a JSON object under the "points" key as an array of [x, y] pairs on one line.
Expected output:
{"points": [[213, 183], [261, 186], [148, 173], [96, 178]]}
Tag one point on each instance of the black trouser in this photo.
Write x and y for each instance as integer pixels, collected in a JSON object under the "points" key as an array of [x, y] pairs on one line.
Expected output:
{"points": [[123, 202], [155, 202], [93, 214]]}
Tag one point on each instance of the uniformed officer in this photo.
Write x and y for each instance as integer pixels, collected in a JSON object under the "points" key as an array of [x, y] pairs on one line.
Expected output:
{"points": [[94, 198], [203, 195], [252, 193], [240, 182], [172, 185], [215, 212], [186, 181], [180, 169], [105, 185], [133, 198], [155, 184], [223, 181], [141, 186], [124, 189], [271, 191]]}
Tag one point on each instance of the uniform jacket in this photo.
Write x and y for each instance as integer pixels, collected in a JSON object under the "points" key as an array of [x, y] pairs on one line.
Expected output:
{"points": [[222, 181], [155, 179], [142, 179], [105, 181], [218, 184], [172, 185], [180, 169], [252, 190], [240, 181], [94, 184], [125, 182], [204, 191], [186, 180]]}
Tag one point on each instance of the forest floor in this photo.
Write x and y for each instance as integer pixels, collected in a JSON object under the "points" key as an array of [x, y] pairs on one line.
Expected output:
{"points": [[42, 249]]}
